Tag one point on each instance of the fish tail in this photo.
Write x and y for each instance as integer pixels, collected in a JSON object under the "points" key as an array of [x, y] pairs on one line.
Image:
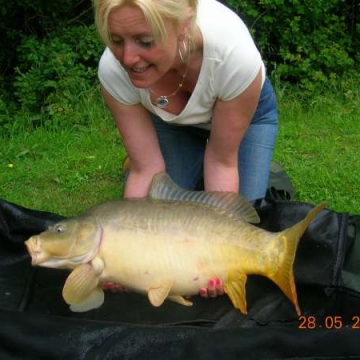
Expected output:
{"points": [[284, 276]]}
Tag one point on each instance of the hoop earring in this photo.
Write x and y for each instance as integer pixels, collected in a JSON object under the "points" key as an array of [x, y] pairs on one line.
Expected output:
{"points": [[180, 53]]}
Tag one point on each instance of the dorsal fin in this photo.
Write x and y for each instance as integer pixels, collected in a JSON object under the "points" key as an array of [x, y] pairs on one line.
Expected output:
{"points": [[163, 188]]}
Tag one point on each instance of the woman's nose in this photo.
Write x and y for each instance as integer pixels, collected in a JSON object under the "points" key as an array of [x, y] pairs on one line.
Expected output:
{"points": [[130, 54]]}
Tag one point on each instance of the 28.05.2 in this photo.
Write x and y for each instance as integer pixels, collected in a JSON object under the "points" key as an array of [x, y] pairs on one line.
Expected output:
{"points": [[329, 322]]}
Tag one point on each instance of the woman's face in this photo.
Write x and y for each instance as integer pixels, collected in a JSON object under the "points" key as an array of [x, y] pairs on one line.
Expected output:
{"points": [[134, 46]]}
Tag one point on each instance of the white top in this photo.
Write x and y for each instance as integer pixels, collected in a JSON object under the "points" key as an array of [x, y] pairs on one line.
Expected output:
{"points": [[230, 63]]}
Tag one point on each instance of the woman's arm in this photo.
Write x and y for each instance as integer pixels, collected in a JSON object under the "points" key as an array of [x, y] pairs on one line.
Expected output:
{"points": [[229, 124], [141, 143]]}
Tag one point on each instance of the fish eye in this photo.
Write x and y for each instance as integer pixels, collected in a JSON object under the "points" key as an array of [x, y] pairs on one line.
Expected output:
{"points": [[59, 228]]}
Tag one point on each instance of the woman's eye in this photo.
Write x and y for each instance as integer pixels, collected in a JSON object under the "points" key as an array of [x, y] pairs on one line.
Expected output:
{"points": [[117, 41], [145, 43]]}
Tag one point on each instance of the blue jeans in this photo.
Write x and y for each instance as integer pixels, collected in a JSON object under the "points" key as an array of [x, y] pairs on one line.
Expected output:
{"points": [[183, 149]]}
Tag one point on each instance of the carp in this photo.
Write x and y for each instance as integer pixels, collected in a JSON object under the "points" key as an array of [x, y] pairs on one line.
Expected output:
{"points": [[167, 246]]}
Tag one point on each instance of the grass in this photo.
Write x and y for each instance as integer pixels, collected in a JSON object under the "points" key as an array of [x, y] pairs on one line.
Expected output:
{"points": [[318, 145], [65, 168]]}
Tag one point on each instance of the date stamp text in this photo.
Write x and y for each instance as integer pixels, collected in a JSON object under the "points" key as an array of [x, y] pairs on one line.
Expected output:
{"points": [[310, 322]]}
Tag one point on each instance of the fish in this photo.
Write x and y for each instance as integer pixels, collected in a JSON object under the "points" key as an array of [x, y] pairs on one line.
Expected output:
{"points": [[167, 246]]}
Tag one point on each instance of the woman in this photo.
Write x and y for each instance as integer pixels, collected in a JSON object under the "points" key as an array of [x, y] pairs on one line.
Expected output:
{"points": [[183, 82], [187, 89]]}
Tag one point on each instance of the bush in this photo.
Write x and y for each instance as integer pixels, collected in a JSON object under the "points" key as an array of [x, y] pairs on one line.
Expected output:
{"points": [[309, 42], [21, 18], [49, 58], [53, 70], [34, 70]]}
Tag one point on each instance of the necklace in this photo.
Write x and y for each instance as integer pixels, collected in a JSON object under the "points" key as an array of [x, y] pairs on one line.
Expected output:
{"points": [[163, 100]]}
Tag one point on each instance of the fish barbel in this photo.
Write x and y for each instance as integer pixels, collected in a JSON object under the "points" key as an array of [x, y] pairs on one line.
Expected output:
{"points": [[167, 246]]}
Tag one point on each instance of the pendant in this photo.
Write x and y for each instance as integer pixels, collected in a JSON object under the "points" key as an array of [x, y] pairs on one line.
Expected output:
{"points": [[162, 102]]}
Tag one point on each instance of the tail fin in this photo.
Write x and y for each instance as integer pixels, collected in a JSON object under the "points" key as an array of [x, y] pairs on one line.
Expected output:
{"points": [[290, 237]]}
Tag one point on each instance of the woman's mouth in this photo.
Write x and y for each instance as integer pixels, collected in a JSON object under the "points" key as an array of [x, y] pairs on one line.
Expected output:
{"points": [[140, 75], [140, 70]]}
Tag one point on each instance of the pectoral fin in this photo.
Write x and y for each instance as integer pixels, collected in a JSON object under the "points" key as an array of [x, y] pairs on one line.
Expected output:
{"points": [[94, 301], [158, 292], [235, 288], [80, 284], [180, 300]]}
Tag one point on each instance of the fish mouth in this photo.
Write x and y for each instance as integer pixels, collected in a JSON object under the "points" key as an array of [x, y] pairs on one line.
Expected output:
{"points": [[35, 250]]}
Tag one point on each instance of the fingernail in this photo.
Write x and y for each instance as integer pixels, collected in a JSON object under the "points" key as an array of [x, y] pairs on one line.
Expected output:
{"points": [[212, 294]]}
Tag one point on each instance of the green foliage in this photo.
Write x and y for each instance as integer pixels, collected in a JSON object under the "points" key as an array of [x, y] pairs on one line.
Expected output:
{"points": [[310, 42], [49, 58], [318, 143], [64, 169], [53, 70], [21, 18], [69, 169]]}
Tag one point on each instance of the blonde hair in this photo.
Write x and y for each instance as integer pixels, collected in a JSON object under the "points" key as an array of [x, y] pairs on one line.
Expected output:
{"points": [[155, 11]]}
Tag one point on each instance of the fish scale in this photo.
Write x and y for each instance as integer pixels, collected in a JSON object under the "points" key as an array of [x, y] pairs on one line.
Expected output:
{"points": [[168, 246]]}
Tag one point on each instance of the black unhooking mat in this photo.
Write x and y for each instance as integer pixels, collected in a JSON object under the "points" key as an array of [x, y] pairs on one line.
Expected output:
{"points": [[35, 322]]}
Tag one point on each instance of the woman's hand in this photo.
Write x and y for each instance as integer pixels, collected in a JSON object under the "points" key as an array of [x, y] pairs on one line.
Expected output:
{"points": [[115, 288], [215, 288]]}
